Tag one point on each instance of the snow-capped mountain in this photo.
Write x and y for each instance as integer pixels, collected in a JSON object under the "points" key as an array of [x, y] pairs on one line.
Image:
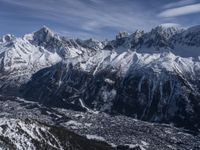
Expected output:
{"points": [[152, 76], [156, 40], [160, 39], [22, 57], [65, 48]]}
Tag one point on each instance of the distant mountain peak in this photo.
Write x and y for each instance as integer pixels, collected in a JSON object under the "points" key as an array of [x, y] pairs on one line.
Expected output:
{"points": [[163, 32], [44, 32], [44, 35]]}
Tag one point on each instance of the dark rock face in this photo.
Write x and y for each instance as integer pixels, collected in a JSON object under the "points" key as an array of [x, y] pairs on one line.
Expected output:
{"points": [[143, 95]]}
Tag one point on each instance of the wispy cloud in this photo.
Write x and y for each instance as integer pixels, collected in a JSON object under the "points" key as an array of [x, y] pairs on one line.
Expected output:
{"points": [[180, 11], [179, 3], [96, 18], [89, 15]]}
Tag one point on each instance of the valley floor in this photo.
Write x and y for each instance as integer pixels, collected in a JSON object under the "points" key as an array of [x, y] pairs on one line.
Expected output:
{"points": [[29, 125]]}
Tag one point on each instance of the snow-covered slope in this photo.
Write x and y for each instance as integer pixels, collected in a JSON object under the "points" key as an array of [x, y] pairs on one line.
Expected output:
{"points": [[19, 54]]}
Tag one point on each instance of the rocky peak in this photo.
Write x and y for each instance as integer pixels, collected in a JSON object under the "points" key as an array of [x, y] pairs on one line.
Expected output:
{"points": [[44, 30], [164, 31], [159, 37], [43, 35], [46, 38]]}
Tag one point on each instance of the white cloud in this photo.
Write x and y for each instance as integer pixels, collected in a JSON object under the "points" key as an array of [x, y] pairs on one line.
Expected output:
{"points": [[179, 11], [179, 3]]}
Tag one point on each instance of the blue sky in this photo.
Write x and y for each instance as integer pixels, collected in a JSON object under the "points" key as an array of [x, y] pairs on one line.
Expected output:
{"points": [[94, 18]]}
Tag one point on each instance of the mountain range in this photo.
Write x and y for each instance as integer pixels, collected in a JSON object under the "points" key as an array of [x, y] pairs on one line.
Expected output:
{"points": [[149, 76]]}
